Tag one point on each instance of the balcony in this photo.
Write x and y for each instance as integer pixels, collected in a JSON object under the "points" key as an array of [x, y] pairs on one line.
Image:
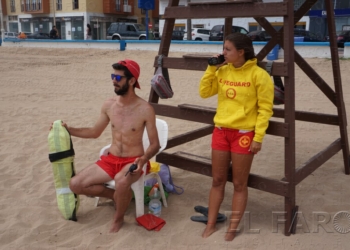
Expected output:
{"points": [[111, 7], [37, 7], [127, 8]]}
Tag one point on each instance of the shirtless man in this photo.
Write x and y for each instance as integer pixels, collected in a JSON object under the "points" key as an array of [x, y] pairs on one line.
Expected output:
{"points": [[129, 115]]}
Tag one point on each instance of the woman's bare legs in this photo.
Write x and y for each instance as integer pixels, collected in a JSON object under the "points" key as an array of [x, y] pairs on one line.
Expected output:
{"points": [[241, 164], [220, 163]]}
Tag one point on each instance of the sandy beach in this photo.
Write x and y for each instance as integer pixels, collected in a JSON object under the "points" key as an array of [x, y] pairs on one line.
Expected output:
{"points": [[39, 86]]}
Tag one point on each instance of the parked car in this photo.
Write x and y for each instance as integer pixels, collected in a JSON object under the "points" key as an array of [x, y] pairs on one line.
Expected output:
{"points": [[10, 35], [343, 37], [308, 36], [177, 35], [198, 34], [38, 35], [336, 35], [259, 35], [27, 33], [126, 31], [217, 32], [156, 35]]}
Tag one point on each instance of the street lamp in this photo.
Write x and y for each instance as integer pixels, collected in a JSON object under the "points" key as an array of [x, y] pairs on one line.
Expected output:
{"points": [[54, 12], [2, 22]]}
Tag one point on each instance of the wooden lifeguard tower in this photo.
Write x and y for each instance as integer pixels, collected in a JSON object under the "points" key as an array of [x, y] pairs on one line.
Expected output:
{"points": [[293, 174]]}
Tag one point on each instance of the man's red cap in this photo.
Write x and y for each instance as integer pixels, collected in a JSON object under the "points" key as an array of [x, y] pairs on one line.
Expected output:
{"points": [[134, 69]]}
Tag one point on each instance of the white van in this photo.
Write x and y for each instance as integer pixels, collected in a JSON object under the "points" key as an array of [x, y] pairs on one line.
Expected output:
{"points": [[198, 34], [10, 35]]}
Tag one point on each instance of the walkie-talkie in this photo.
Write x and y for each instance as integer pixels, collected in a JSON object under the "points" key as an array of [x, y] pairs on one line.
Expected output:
{"points": [[132, 168], [216, 60]]}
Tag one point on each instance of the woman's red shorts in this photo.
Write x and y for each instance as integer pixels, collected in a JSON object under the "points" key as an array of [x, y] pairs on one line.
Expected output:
{"points": [[232, 140]]}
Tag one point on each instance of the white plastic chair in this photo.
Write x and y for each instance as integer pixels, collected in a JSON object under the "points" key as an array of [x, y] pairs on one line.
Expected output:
{"points": [[138, 186]]}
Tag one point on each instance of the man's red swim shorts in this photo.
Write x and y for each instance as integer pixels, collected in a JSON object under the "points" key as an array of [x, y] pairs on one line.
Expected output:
{"points": [[112, 164]]}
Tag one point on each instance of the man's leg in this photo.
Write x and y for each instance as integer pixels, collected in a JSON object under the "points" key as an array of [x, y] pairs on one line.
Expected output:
{"points": [[122, 196], [241, 164], [220, 163], [90, 182]]}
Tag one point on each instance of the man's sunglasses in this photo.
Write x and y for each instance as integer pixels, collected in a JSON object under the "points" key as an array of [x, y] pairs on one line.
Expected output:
{"points": [[117, 77]]}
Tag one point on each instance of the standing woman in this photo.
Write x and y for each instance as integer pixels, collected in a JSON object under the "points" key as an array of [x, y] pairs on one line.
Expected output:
{"points": [[88, 32], [245, 100]]}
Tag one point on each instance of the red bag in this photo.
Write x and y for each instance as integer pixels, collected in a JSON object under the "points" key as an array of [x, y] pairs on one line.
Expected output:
{"points": [[150, 222], [160, 84]]}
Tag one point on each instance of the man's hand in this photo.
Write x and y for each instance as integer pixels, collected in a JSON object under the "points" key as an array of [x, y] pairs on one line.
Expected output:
{"points": [[63, 124], [255, 147], [140, 162]]}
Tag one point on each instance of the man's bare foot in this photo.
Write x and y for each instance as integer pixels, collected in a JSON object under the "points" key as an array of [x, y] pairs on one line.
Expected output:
{"points": [[230, 234], [209, 230], [116, 225]]}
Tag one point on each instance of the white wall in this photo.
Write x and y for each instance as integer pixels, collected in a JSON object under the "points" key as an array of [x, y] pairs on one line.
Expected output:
{"points": [[304, 49]]}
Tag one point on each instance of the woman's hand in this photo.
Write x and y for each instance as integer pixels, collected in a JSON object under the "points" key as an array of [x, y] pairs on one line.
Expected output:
{"points": [[221, 64], [255, 147]]}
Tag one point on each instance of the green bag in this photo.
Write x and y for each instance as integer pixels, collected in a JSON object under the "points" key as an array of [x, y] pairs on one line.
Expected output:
{"points": [[147, 199]]}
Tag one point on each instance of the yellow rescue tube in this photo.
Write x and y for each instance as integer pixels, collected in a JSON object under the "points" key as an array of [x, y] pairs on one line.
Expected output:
{"points": [[61, 156]]}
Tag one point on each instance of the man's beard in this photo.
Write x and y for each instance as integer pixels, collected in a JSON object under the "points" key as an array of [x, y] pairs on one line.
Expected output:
{"points": [[123, 90]]}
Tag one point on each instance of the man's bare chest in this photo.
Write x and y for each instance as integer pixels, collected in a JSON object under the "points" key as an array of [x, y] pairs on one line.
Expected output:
{"points": [[125, 119]]}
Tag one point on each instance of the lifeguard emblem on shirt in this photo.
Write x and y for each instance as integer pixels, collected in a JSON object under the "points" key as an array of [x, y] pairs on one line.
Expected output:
{"points": [[244, 141], [231, 93]]}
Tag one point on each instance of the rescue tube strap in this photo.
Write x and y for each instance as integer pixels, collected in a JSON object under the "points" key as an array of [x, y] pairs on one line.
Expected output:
{"points": [[63, 191], [64, 154], [61, 155]]}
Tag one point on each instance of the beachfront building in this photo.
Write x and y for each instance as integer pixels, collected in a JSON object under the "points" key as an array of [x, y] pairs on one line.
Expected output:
{"points": [[315, 20], [72, 16], [3, 10], [318, 16]]}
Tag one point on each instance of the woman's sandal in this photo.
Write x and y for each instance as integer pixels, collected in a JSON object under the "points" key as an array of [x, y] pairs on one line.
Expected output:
{"points": [[204, 218]]}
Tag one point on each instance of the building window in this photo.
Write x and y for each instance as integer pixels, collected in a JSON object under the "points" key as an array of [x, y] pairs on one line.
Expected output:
{"points": [[27, 5], [75, 4], [33, 4], [22, 5], [143, 11], [117, 5], [58, 4], [13, 18], [39, 5], [341, 4], [126, 7], [298, 3], [143, 20], [13, 6]]}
